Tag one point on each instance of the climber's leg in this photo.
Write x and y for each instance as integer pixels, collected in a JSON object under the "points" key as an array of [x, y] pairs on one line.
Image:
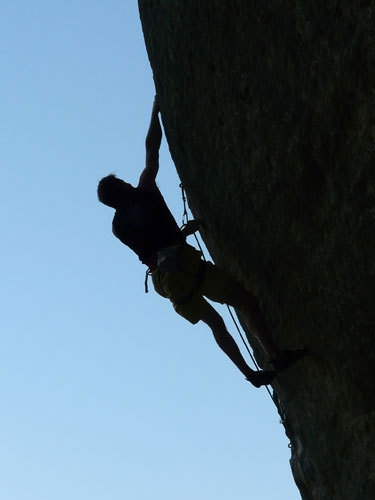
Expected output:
{"points": [[248, 305], [220, 287], [227, 344]]}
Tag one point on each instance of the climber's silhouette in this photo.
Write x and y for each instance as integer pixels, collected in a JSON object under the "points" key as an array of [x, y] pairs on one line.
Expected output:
{"points": [[144, 223]]}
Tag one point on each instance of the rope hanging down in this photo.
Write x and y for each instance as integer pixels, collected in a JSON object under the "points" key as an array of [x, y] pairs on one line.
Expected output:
{"points": [[185, 220], [283, 420]]}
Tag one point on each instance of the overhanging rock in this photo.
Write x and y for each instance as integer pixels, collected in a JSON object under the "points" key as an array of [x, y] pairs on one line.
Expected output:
{"points": [[268, 109]]}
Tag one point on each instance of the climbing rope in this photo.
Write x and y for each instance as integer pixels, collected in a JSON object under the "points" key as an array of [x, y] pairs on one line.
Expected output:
{"points": [[283, 419], [276, 402], [185, 220]]}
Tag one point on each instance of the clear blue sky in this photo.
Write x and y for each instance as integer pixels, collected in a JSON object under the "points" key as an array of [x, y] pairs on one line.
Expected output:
{"points": [[105, 392]]}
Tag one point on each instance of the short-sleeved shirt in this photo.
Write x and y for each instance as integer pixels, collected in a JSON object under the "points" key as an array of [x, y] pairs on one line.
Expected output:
{"points": [[145, 224]]}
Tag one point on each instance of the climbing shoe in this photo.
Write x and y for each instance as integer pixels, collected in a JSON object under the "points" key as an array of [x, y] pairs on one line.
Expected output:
{"points": [[261, 377], [288, 358]]}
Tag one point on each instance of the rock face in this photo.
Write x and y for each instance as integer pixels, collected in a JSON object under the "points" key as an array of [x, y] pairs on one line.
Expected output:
{"points": [[268, 109]]}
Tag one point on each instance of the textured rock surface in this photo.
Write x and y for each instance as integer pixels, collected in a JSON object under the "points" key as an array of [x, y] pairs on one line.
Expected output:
{"points": [[268, 109]]}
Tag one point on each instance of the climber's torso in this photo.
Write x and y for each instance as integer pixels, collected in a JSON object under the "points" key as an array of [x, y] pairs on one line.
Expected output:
{"points": [[145, 223]]}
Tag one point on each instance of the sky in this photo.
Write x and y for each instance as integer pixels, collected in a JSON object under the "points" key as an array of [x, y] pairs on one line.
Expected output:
{"points": [[106, 393]]}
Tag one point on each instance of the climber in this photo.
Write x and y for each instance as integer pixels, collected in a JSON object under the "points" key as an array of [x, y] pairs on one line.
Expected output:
{"points": [[143, 222]]}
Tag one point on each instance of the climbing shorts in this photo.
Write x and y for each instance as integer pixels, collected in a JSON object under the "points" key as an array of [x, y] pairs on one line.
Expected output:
{"points": [[191, 281]]}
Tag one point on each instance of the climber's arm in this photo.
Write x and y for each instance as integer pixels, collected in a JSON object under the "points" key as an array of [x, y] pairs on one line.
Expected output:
{"points": [[191, 227], [153, 141]]}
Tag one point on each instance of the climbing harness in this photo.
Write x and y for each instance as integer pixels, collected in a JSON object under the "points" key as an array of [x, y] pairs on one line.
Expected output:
{"points": [[168, 258]]}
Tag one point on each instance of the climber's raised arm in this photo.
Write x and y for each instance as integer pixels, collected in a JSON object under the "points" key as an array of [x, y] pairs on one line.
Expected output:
{"points": [[153, 141]]}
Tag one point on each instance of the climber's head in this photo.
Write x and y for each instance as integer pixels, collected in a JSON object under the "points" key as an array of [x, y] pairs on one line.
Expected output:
{"points": [[112, 191]]}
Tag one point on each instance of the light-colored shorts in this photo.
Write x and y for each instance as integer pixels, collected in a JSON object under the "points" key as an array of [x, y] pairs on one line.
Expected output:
{"points": [[187, 285]]}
